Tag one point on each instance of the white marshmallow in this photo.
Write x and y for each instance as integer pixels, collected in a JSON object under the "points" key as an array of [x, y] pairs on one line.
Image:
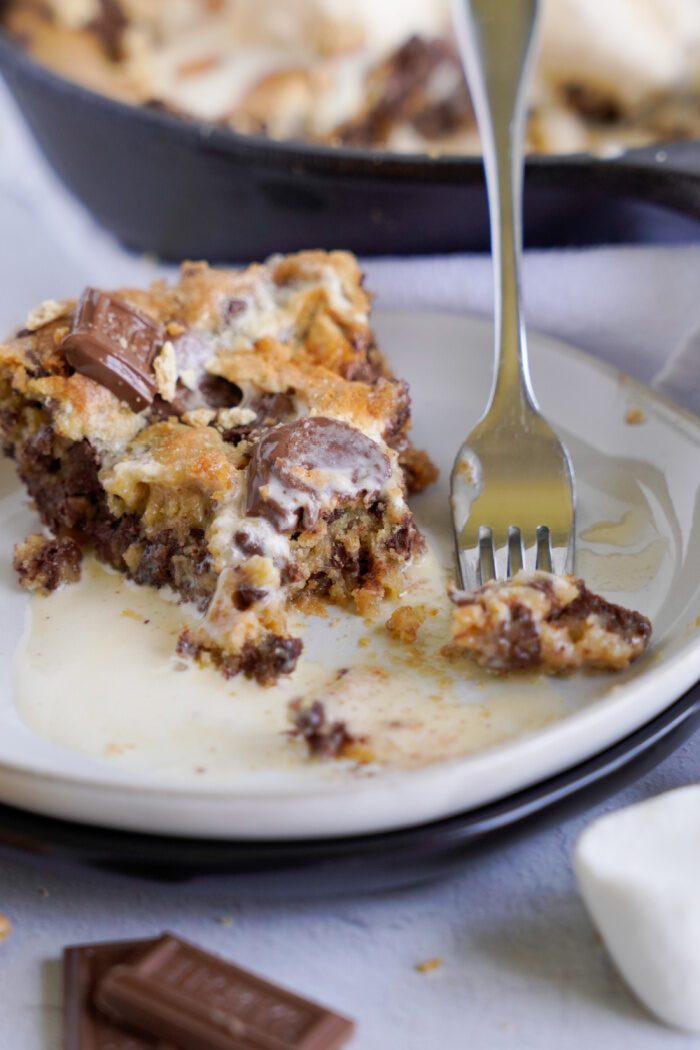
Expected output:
{"points": [[639, 873]]}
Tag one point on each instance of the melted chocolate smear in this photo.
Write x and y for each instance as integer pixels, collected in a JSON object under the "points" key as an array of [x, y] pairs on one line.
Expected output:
{"points": [[399, 91], [312, 444]]}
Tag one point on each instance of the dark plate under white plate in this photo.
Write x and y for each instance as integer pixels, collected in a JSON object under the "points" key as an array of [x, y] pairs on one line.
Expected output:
{"points": [[364, 863]]}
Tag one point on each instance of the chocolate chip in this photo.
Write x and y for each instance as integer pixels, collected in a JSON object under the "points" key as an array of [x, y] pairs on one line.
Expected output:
{"points": [[245, 542], [322, 738], [246, 596], [234, 307], [405, 540], [114, 345], [219, 393], [267, 660], [110, 25], [44, 564]]}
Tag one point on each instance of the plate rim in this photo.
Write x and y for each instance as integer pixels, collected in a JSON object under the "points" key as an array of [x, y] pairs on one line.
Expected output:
{"points": [[679, 667], [608, 764]]}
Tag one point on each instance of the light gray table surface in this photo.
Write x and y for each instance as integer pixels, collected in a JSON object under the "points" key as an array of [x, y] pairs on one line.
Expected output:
{"points": [[521, 965]]}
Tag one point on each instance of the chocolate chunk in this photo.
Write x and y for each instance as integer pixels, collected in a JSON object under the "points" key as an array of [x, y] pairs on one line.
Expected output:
{"points": [[627, 623], [115, 345], [65, 486], [110, 25], [446, 116], [179, 992], [323, 738], [592, 103], [246, 596], [403, 89], [297, 467], [219, 393], [84, 1027], [518, 642], [269, 659]]}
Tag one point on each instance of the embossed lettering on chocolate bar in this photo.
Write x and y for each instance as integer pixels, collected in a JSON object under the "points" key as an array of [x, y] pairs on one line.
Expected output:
{"points": [[177, 991], [115, 345]]}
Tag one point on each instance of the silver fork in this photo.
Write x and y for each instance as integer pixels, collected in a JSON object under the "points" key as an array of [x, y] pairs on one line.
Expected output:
{"points": [[512, 492]]}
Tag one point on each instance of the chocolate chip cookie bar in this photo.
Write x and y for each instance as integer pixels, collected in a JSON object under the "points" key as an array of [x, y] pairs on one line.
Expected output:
{"points": [[546, 622], [236, 436]]}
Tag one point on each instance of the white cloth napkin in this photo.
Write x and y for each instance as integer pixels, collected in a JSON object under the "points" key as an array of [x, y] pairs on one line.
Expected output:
{"points": [[639, 308]]}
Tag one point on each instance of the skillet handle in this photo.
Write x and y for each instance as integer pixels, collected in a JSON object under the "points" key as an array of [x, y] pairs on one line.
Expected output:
{"points": [[665, 174]]}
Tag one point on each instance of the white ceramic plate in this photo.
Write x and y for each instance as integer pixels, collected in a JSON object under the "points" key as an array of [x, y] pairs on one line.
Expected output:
{"points": [[639, 542]]}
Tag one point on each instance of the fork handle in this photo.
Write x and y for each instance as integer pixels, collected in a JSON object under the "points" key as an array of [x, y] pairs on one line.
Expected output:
{"points": [[496, 39]]}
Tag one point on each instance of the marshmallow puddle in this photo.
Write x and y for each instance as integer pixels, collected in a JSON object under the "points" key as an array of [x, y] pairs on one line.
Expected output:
{"points": [[638, 873], [130, 701]]}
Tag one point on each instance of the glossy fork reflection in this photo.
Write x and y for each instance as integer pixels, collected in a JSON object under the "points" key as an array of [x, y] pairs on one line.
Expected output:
{"points": [[512, 490]]}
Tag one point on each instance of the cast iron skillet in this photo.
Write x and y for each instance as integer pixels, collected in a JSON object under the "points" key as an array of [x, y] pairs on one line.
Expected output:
{"points": [[184, 190]]}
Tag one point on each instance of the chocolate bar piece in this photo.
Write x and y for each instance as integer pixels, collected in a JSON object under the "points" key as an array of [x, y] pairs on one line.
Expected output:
{"points": [[115, 345], [85, 1028], [199, 1001]]}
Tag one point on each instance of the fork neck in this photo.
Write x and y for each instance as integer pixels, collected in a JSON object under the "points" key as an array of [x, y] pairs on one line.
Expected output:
{"points": [[496, 39]]}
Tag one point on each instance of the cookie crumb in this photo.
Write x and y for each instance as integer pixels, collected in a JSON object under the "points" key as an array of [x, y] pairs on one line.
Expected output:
{"points": [[225, 920], [635, 416], [5, 927], [42, 891], [43, 314], [406, 621], [165, 368], [428, 965], [44, 564]]}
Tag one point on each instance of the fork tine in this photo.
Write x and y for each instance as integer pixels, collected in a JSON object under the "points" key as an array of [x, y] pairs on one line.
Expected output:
{"points": [[544, 550], [501, 551], [562, 553], [512, 470], [515, 551], [487, 563], [529, 543]]}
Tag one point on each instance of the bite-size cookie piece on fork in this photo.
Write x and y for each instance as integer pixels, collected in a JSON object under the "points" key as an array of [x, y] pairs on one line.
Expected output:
{"points": [[542, 621]]}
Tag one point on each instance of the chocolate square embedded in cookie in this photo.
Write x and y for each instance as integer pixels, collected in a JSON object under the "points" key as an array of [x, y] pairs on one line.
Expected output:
{"points": [[115, 345]]}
